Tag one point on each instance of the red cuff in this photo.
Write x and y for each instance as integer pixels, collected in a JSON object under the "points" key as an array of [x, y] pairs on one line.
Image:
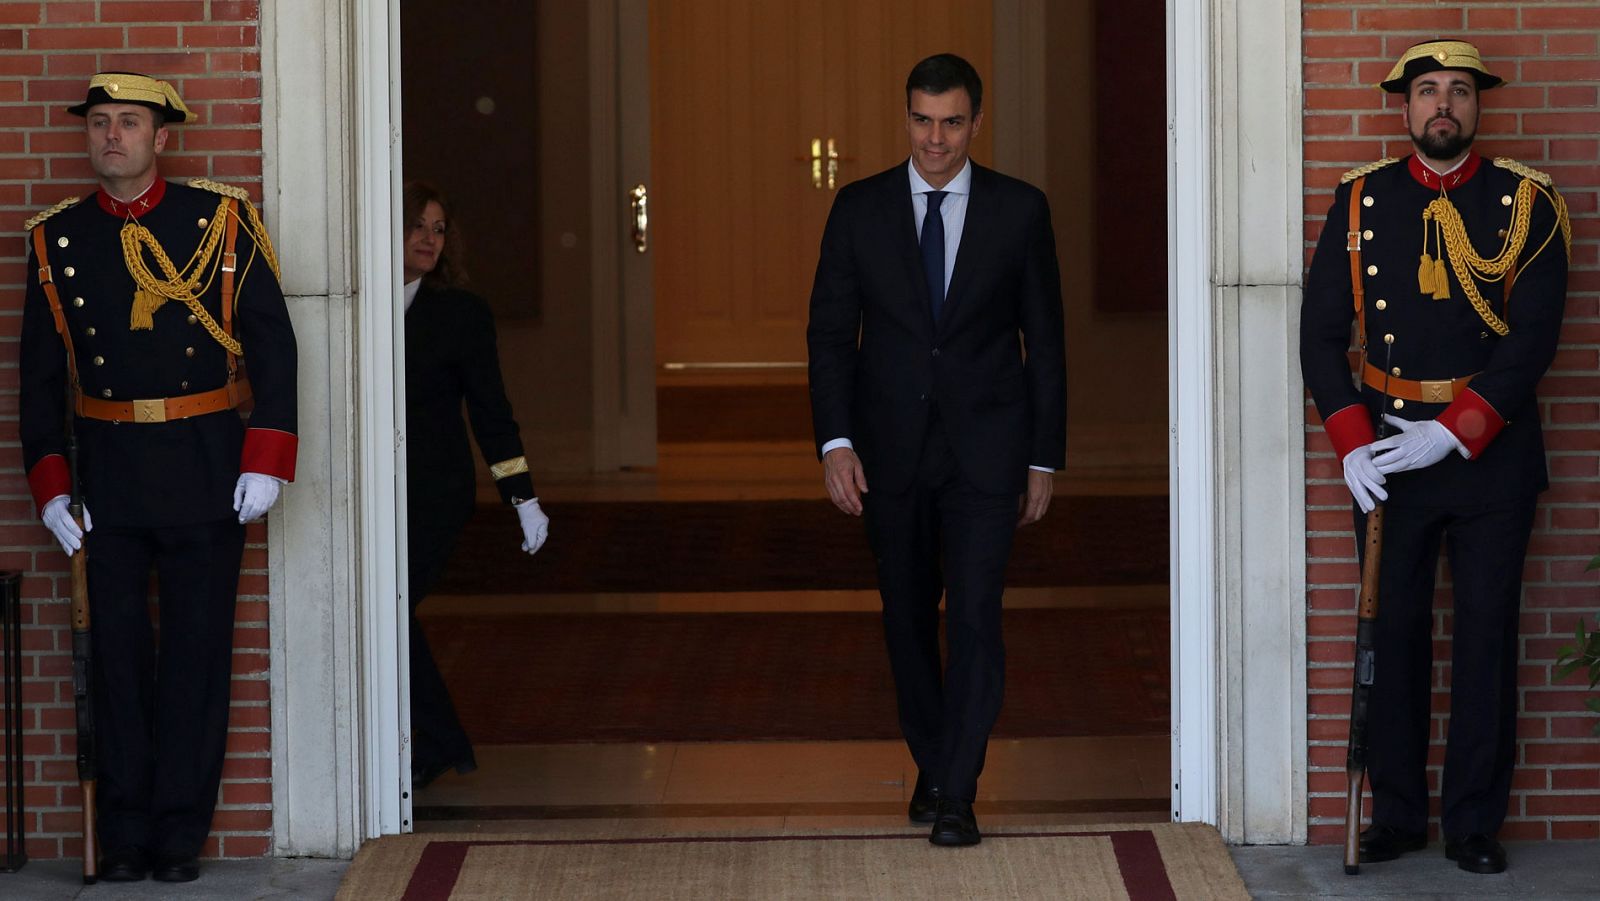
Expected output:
{"points": [[1472, 421], [269, 452], [49, 478], [1349, 429]]}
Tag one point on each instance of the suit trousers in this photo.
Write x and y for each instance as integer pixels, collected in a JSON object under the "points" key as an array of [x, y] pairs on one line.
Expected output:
{"points": [[942, 536], [1486, 547], [437, 735], [161, 712]]}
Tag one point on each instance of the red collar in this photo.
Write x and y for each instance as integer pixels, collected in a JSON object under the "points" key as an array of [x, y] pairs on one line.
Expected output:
{"points": [[136, 207], [1457, 177]]}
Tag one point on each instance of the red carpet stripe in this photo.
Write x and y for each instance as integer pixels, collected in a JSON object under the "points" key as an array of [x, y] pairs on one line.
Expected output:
{"points": [[1144, 874]]}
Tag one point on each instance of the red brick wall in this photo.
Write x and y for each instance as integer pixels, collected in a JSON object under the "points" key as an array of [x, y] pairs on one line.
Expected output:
{"points": [[1547, 118], [210, 50]]}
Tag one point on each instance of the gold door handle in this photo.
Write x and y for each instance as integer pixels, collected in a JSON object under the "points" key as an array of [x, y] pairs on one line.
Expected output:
{"points": [[639, 203], [825, 164], [816, 163]]}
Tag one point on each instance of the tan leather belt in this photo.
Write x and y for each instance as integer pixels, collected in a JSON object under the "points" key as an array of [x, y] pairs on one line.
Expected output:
{"points": [[165, 409], [1439, 391]]}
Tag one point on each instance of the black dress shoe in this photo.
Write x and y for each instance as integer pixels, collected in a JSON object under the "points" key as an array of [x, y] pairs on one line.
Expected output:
{"points": [[175, 868], [1477, 853], [124, 865], [924, 798], [1380, 843], [954, 825]]}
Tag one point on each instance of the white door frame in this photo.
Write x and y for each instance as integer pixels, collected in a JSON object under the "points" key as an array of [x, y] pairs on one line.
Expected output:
{"points": [[1215, 165]]}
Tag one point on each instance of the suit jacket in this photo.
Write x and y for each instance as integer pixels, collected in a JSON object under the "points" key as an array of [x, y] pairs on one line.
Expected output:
{"points": [[451, 357], [180, 472], [1439, 339], [994, 365]]}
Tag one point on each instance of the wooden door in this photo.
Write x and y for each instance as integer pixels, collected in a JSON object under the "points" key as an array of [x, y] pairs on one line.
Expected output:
{"points": [[739, 93]]}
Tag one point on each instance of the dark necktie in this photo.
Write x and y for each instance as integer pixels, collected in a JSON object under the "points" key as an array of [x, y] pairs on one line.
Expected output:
{"points": [[933, 251]]}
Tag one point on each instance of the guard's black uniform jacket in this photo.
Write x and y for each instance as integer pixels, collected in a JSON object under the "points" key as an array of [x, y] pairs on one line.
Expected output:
{"points": [[152, 474], [1497, 416]]}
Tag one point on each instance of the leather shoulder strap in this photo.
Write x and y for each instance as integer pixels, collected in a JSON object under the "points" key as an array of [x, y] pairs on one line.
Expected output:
{"points": [[47, 282], [1352, 243]]}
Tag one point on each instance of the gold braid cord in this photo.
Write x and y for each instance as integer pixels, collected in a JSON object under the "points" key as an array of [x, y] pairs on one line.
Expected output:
{"points": [[1368, 169], [254, 226], [188, 288], [33, 223], [1469, 267]]}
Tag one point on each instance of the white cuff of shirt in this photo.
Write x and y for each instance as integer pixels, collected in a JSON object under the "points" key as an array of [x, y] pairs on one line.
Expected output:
{"points": [[837, 443], [1041, 469]]}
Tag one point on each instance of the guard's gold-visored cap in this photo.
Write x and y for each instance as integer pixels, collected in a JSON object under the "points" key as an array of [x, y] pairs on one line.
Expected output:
{"points": [[130, 87], [1433, 56]]}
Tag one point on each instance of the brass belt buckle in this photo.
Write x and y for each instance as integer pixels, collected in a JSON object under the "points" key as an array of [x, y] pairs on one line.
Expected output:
{"points": [[1352, 241], [1438, 392], [230, 262], [150, 410]]}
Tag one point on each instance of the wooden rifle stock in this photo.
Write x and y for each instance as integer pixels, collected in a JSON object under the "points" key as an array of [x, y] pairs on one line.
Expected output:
{"points": [[82, 667], [1355, 763]]}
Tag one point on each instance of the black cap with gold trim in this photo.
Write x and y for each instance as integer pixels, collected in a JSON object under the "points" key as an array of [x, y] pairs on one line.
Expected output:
{"points": [[130, 87], [1434, 56]]}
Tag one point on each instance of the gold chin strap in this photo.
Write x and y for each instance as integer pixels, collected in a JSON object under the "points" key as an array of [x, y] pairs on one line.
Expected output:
{"points": [[1451, 240]]}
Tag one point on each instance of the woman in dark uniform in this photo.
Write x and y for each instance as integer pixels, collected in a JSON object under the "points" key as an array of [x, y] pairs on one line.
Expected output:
{"points": [[451, 358]]}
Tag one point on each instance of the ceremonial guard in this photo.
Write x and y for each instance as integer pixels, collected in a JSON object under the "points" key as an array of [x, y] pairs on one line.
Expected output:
{"points": [[146, 305], [1453, 269]]}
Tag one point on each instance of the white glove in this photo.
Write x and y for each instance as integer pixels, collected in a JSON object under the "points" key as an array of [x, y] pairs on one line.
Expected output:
{"points": [[1419, 445], [1364, 479], [535, 525], [254, 494], [59, 522]]}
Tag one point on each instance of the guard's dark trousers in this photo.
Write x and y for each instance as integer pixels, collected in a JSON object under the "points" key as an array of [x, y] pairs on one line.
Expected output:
{"points": [[943, 536], [1486, 547], [161, 713]]}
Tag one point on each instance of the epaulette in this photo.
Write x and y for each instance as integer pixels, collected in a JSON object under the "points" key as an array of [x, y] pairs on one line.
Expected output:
{"points": [[1506, 162], [1368, 169], [217, 187], [31, 224]]}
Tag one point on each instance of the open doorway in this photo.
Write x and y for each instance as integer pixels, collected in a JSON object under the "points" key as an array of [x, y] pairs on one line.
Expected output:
{"points": [[569, 667]]}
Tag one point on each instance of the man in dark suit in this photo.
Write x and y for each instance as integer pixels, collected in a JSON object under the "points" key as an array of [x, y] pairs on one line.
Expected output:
{"points": [[1451, 352], [938, 376], [144, 363]]}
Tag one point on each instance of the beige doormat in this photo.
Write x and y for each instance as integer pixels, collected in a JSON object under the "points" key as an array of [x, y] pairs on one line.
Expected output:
{"points": [[1140, 862]]}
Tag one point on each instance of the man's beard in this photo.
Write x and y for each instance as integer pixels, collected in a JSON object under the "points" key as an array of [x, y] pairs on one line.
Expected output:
{"points": [[1443, 146]]}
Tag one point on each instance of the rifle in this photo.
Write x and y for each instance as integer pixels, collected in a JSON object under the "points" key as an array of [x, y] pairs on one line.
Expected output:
{"points": [[82, 657], [1355, 761]]}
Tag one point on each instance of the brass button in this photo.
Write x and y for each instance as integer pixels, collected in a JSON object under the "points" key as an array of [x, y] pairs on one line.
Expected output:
{"points": [[1382, 304], [89, 331], [1483, 335], [1505, 199], [1388, 339], [1502, 233], [201, 222], [192, 320], [1395, 372], [1366, 201], [1367, 234], [70, 271], [99, 361], [113, 87], [1441, 56], [188, 351], [77, 301], [105, 392], [184, 385], [1399, 404], [1372, 270], [62, 241]]}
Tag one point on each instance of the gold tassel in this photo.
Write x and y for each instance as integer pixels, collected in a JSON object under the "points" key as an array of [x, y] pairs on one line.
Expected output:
{"points": [[1425, 275], [1441, 281], [144, 306]]}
